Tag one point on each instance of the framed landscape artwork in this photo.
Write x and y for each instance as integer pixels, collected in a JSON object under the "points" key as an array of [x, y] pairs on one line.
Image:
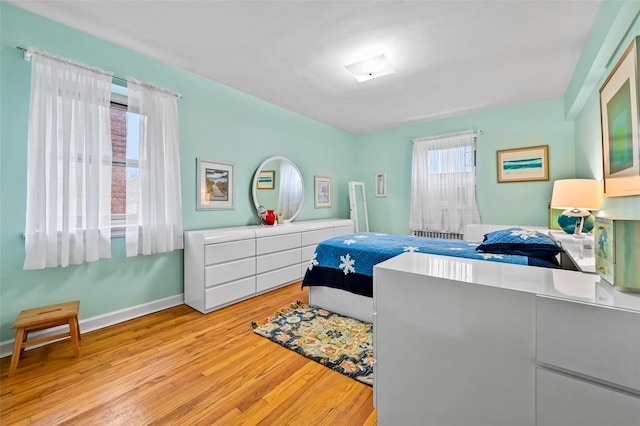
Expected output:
{"points": [[214, 185], [523, 164], [619, 113], [266, 179], [381, 184]]}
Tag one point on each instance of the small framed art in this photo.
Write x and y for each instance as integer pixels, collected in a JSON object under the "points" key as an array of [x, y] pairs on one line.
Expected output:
{"points": [[266, 179], [322, 185], [523, 164], [214, 185], [381, 184]]}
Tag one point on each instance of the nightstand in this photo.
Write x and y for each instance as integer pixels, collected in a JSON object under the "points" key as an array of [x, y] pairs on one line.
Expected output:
{"points": [[579, 254]]}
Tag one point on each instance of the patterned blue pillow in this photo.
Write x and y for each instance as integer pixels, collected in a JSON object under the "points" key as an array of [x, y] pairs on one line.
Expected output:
{"points": [[519, 241]]}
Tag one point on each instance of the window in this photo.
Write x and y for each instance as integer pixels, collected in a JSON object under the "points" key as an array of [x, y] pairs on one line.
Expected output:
{"points": [[124, 140], [443, 184]]}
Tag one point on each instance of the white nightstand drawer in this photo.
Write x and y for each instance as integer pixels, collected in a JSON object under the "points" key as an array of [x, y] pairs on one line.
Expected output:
{"points": [[269, 262], [314, 237], [277, 243], [277, 278], [598, 342], [224, 252], [566, 401], [230, 271], [229, 292]]}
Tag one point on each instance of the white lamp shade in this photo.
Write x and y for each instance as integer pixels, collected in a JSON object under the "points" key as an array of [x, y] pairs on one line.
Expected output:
{"points": [[583, 194]]}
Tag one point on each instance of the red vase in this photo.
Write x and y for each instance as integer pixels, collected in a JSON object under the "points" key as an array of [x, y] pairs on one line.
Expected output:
{"points": [[270, 218]]}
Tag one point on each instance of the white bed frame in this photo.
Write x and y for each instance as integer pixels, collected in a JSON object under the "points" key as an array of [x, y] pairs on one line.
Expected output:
{"points": [[361, 307]]}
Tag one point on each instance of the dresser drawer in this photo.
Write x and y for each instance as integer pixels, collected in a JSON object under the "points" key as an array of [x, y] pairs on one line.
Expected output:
{"points": [[277, 243], [567, 401], [595, 341], [230, 271], [270, 262], [314, 237], [307, 252], [342, 230], [229, 292], [277, 278], [224, 252]]}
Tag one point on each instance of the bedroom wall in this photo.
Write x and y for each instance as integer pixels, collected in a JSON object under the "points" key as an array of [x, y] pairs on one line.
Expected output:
{"points": [[216, 123], [526, 203]]}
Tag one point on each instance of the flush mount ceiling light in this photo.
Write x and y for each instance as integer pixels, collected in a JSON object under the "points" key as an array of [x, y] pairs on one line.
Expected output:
{"points": [[370, 68]]}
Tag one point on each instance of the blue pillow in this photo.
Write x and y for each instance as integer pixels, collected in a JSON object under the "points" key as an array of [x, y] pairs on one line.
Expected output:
{"points": [[519, 241]]}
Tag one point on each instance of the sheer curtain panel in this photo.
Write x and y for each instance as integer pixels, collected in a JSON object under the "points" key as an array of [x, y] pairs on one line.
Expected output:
{"points": [[68, 219], [154, 200], [443, 184], [290, 190]]}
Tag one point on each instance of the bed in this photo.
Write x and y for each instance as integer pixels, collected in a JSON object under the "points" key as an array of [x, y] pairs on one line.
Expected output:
{"points": [[340, 274]]}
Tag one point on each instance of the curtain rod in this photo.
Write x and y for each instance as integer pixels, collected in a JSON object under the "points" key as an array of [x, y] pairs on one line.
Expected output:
{"points": [[27, 57], [475, 132]]}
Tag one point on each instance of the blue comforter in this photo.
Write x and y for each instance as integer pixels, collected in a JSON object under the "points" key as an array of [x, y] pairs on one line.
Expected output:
{"points": [[346, 262]]}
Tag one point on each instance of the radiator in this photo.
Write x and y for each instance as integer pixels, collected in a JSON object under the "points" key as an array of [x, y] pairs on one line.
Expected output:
{"points": [[436, 234]]}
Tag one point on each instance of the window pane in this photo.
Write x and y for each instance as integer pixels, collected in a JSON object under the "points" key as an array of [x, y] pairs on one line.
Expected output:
{"points": [[133, 133], [118, 190], [119, 133]]}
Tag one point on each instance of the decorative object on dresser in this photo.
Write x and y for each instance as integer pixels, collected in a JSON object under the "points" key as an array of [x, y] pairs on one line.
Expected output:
{"points": [[341, 343], [225, 265], [523, 164], [322, 192], [288, 192], [577, 196], [619, 112], [214, 185], [617, 253]]}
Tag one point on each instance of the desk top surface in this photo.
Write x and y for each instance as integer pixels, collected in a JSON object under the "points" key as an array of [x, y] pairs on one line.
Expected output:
{"points": [[557, 283]]}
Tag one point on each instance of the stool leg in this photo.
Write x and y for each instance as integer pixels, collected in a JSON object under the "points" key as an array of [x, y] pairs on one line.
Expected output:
{"points": [[75, 335], [78, 327], [17, 350]]}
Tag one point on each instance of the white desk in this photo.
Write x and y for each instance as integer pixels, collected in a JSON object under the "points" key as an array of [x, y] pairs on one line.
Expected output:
{"points": [[579, 251]]}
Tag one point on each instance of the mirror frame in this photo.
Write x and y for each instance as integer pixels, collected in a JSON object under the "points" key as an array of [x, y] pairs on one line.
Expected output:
{"points": [[254, 184]]}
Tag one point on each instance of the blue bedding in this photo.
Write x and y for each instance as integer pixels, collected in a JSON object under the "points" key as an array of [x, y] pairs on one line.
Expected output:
{"points": [[346, 262]]}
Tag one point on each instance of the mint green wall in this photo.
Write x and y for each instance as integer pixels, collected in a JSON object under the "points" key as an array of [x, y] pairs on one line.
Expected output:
{"points": [[537, 123], [623, 20], [216, 123]]}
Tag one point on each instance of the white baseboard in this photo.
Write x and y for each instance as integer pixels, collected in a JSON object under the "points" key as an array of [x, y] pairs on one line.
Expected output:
{"points": [[105, 320]]}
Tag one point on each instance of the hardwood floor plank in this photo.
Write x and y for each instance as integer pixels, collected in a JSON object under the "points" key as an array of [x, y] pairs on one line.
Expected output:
{"points": [[178, 366]]}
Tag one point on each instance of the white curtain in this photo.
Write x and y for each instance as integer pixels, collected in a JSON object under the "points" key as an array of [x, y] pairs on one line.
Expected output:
{"points": [[443, 184], [68, 218], [290, 190], [154, 200]]}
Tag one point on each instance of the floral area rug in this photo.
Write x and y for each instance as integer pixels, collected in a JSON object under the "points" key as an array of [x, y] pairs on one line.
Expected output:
{"points": [[340, 343]]}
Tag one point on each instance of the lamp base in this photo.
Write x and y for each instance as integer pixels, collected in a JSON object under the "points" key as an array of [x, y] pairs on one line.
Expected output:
{"points": [[576, 224]]}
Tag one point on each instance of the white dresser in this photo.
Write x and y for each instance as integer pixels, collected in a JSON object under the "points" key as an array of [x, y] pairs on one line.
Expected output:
{"points": [[469, 342], [225, 265]]}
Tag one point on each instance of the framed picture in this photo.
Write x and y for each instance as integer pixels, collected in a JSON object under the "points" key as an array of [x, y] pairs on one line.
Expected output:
{"points": [[619, 114], [215, 185], [322, 185], [266, 179], [523, 164], [381, 184]]}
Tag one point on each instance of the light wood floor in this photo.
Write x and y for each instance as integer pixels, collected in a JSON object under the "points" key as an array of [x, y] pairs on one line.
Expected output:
{"points": [[180, 367]]}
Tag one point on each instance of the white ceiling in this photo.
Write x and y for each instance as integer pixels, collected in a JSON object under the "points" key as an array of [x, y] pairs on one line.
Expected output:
{"points": [[451, 57]]}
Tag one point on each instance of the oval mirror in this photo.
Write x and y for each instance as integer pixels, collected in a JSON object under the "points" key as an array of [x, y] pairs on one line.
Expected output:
{"points": [[278, 186]]}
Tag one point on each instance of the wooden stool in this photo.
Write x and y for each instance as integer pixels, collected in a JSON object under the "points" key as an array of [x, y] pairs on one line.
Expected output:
{"points": [[40, 319]]}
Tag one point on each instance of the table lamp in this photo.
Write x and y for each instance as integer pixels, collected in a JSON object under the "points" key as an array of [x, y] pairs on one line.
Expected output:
{"points": [[578, 197]]}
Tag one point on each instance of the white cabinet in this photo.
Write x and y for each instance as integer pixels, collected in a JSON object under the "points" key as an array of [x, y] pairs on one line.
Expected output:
{"points": [[225, 265], [469, 342]]}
